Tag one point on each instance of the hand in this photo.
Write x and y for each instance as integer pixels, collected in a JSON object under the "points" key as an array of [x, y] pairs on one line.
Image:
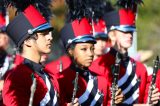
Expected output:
{"points": [[119, 96], [155, 96], [76, 103]]}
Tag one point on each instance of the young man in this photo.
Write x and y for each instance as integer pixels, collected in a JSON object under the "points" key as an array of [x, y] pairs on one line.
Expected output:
{"points": [[30, 32], [133, 75]]}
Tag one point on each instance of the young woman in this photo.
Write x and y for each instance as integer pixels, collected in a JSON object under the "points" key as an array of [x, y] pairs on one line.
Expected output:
{"points": [[91, 89]]}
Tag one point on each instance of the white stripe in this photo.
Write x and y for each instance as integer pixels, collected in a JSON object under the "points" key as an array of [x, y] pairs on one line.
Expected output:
{"points": [[55, 99], [133, 97], [84, 97], [5, 67], [98, 95], [47, 97], [127, 74], [133, 83]]}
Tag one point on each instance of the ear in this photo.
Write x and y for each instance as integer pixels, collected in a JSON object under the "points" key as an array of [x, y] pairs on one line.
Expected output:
{"points": [[28, 42], [112, 36], [70, 52]]}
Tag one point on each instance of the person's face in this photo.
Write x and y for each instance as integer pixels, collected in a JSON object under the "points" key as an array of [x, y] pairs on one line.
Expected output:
{"points": [[124, 39], [100, 47], [43, 42], [4, 41], [83, 54]]}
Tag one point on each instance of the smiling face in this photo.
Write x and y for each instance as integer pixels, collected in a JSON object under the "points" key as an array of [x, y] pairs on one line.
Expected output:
{"points": [[83, 54]]}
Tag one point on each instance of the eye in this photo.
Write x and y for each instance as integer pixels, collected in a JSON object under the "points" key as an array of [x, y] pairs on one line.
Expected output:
{"points": [[92, 48], [84, 49]]}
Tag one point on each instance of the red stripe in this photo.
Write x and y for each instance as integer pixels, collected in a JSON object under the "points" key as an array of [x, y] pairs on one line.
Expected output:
{"points": [[34, 16], [127, 17], [99, 26], [82, 27], [2, 20]]}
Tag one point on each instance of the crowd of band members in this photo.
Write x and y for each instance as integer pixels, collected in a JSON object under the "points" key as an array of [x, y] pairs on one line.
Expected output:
{"points": [[91, 51]]}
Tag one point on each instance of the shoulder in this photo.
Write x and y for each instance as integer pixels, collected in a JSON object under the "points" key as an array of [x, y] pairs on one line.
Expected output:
{"points": [[140, 68], [19, 75], [54, 66]]}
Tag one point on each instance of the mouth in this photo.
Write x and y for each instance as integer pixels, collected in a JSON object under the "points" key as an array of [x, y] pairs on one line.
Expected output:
{"points": [[129, 41], [49, 45], [89, 60]]}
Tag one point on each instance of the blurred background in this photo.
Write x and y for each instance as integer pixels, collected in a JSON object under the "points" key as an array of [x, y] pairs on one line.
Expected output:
{"points": [[148, 29]]}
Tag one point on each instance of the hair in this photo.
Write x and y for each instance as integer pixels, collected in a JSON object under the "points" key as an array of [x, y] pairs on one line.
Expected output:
{"points": [[71, 47], [34, 37]]}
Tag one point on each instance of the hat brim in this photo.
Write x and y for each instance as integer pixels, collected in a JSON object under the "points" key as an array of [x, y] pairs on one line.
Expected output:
{"points": [[43, 27], [82, 39], [124, 28], [85, 40], [100, 35]]}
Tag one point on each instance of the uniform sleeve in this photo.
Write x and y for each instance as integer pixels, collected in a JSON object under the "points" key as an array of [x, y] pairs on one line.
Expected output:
{"points": [[62, 94], [157, 80], [103, 87], [145, 83], [16, 90]]}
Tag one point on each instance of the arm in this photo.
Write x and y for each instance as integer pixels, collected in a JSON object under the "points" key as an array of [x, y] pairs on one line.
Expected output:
{"points": [[15, 91]]}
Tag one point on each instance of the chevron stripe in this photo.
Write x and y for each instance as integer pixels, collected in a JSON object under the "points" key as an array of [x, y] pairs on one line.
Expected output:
{"points": [[129, 84], [92, 95]]}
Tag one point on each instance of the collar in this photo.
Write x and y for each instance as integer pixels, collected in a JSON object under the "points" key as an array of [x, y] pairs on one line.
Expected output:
{"points": [[34, 66], [123, 57], [82, 72], [38, 68]]}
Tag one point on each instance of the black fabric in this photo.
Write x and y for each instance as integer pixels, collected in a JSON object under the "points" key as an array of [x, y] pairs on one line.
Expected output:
{"points": [[131, 91], [38, 68], [3, 55], [18, 29], [86, 74], [111, 19], [52, 93], [124, 62], [35, 67], [128, 81], [83, 73], [91, 95], [124, 57], [67, 33]]}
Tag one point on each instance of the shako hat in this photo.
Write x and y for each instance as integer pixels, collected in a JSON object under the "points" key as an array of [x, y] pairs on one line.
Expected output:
{"points": [[78, 28], [28, 21], [122, 19]]}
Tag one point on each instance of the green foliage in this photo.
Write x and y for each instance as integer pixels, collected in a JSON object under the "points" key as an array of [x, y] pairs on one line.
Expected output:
{"points": [[148, 27]]}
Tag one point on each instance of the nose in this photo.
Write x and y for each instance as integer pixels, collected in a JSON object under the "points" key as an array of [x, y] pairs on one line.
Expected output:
{"points": [[49, 36], [130, 35], [90, 52]]}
